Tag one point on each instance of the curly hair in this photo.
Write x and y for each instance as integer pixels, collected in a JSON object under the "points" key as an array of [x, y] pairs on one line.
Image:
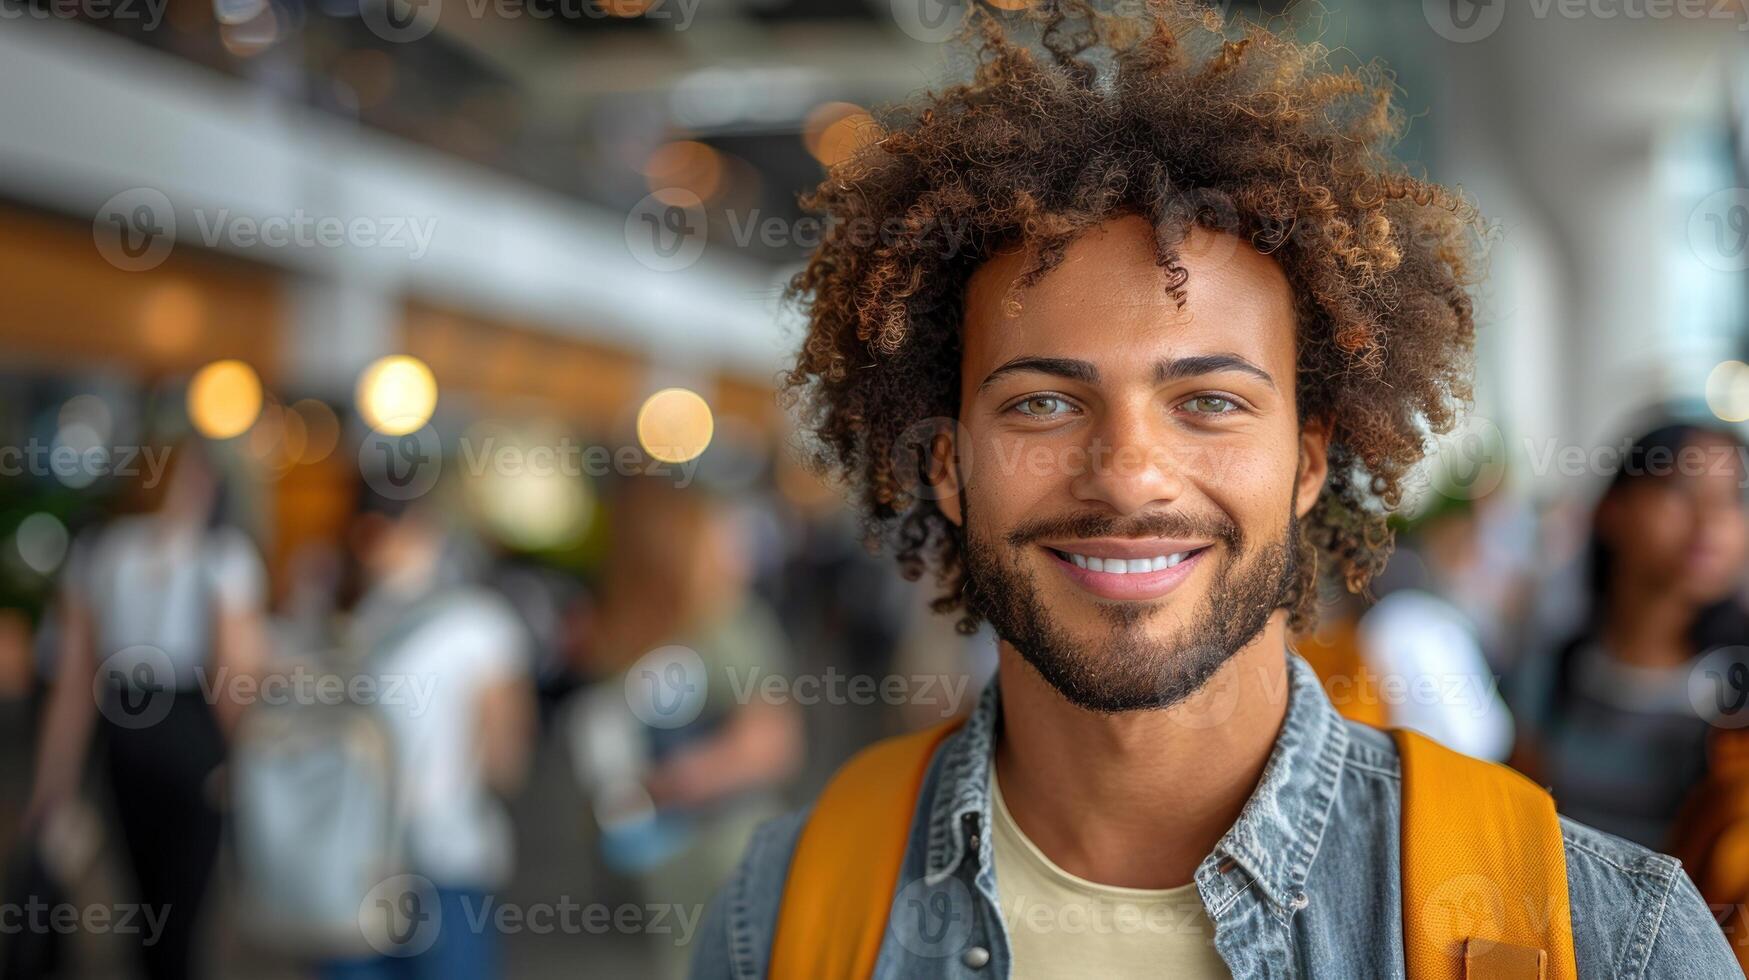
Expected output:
{"points": [[1170, 115]]}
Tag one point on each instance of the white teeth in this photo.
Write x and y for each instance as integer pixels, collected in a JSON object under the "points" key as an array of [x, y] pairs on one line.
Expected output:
{"points": [[1124, 566]]}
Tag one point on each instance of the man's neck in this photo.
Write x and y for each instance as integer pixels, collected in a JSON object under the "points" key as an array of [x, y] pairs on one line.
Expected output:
{"points": [[1138, 799]]}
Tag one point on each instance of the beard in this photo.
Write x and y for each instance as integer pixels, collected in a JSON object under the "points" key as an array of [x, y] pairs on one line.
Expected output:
{"points": [[1124, 667]]}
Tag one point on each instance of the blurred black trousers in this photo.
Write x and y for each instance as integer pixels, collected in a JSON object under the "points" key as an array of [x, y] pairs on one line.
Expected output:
{"points": [[159, 777]]}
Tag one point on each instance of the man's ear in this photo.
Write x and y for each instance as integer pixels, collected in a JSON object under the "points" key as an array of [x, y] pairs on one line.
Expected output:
{"points": [[1314, 464], [944, 475]]}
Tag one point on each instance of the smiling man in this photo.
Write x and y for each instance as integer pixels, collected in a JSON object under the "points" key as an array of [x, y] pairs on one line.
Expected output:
{"points": [[1197, 335]]}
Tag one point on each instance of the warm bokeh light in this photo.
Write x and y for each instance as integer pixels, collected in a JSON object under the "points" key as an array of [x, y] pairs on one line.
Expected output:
{"points": [[172, 317], [675, 425], [1727, 391], [624, 8], [835, 130], [528, 500], [276, 439], [248, 38], [397, 394], [224, 399], [321, 429], [684, 165]]}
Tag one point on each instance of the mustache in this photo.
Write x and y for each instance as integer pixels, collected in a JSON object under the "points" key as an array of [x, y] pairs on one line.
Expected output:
{"points": [[1161, 524]]}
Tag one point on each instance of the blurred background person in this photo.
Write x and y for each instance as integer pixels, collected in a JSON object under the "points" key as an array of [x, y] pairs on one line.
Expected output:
{"points": [[1414, 656], [157, 609], [686, 742], [460, 730], [1609, 720]]}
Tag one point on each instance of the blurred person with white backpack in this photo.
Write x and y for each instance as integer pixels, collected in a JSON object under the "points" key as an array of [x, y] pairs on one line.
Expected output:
{"points": [[371, 831]]}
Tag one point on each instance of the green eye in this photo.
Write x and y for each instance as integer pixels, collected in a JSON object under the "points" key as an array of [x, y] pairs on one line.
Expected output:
{"points": [[1042, 406], [1211, 405]]}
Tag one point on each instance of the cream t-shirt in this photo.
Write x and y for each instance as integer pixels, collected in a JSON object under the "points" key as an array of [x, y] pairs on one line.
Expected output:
{"points": [[1060, 925]]}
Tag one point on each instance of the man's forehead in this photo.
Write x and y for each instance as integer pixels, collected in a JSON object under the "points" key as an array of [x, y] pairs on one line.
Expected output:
{"points": [[1109, 297]]}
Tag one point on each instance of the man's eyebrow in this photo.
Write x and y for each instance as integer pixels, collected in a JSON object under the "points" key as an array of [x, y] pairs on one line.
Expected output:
{"points": [[1189, 367], [1062, 367]]}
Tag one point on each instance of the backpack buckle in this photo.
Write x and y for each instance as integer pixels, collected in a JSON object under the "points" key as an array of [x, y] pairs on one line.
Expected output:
{"points": [[1490, 959]]}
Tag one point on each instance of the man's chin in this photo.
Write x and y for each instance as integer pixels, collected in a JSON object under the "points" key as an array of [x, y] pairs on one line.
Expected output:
{"points": [[1135, 670]]}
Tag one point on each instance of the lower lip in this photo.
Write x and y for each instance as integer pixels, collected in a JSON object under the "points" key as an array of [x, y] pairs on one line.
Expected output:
{"points": [[1128, 585]]}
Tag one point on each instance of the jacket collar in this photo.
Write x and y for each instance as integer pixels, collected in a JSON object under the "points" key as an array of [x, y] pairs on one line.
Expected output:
{"points": [[1274, 840]]}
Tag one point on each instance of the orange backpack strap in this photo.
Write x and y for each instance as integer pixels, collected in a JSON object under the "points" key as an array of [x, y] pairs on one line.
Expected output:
{"points": [[846, 863], [1484, 871]]}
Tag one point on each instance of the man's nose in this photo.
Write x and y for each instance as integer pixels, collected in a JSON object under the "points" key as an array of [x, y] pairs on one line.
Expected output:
{"points": [[1132, 459]]}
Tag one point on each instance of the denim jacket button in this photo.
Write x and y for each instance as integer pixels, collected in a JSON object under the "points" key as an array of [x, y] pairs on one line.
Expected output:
{"points": [[975, 957]]}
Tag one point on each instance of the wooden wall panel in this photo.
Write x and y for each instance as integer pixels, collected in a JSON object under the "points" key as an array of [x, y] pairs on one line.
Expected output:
{"points": [[66, 308]]}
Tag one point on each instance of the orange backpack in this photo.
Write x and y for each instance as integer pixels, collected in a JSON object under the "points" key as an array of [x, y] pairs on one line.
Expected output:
{"points": [[1484, 869]]}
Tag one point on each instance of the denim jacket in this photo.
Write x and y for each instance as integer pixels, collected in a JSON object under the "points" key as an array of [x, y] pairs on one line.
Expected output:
{"points": [[1304, 884]]}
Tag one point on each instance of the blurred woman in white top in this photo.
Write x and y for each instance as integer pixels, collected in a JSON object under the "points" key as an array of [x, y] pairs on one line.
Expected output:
{"points": [[160, 612]]}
